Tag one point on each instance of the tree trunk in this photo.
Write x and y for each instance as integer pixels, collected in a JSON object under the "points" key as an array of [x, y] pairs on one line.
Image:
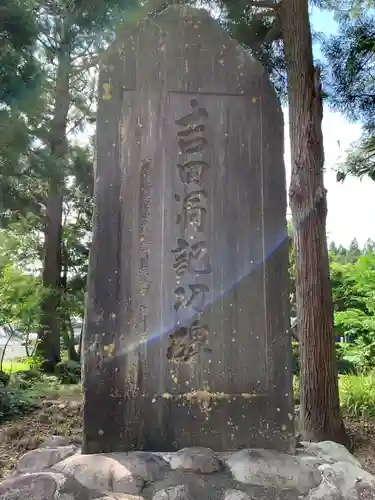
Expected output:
{"points": [[67, 331], [320, 410], [80, 343], [49, 333], [73, 355]]}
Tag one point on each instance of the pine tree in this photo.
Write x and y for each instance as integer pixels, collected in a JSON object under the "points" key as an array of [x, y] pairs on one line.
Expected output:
{"points": [[351, 58]]}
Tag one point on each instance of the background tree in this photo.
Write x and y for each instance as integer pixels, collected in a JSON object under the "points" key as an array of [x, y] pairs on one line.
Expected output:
{"points": [[289, 28], [20, 84], [70, 35], [351, 58], [319, 408]]}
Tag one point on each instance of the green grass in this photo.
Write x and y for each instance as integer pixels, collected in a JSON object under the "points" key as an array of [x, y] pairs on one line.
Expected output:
{"points": [[21, 396], [24, 364], [27, 386], [357, 395], [17, 365]]}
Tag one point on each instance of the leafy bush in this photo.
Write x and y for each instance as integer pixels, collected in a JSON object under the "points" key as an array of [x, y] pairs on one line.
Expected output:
{"points": [[296, 390], [4, 379], [25, 379], [13, 402], [68, 372], [357, 395], [295, 359], [31, 374], [345, 364]]}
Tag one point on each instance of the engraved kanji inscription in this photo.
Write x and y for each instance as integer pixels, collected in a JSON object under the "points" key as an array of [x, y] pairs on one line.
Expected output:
{"points": [[191, 119], [192, 171], [197, 299], [143, 316], [192, 258], [193, 145], [145, 189], [186, 342], [191, 138], [194, 210]]}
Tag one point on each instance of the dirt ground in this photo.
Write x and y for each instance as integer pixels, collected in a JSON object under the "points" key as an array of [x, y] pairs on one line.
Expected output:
{"points": [[362, 434], [63, 416]]}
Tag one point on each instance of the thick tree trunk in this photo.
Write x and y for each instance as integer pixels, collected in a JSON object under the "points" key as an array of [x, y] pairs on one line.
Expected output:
{"points": [[320, 410], [49, 334]]}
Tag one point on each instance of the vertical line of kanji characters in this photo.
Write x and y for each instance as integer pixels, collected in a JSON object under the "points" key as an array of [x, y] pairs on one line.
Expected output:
{"points": [[191, 256], [144, 244]]}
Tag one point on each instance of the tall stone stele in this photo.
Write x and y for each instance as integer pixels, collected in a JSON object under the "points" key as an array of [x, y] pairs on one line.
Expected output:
{"points": [[187, 338]]}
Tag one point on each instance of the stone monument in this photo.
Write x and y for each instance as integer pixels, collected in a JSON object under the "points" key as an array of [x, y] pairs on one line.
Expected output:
{"points": [[187, 339]]}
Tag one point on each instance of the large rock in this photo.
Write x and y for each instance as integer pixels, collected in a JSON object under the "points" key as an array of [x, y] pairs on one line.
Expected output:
{"points": [[325, 491], [353, 482], [55, 441], [329, 452], [236, 495], [45, 485], [101, 473], [179, 492], [202, 460], [274, 470], [42, 458], [148, 466], [117, 496]]}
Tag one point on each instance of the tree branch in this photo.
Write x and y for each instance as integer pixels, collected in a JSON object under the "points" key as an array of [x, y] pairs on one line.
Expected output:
{"points": [[265, 13], [47, 47], [86, 64], [275, 33], [263, 4]]}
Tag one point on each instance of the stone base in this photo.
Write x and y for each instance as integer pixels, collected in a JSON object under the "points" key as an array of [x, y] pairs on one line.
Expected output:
{"points": [[318, 471], [244, 421]]}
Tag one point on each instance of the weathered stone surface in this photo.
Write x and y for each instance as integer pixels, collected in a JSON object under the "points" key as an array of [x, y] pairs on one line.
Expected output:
{"points": [[272, 469], [236, 495], [54, 442], [117, 496], [179, 492], [330, 452], [325, 491], [214, 486], [42, 458], [101, 473], [43, 486], [143, 464], [187, 334], [352, 481], [197, 459]]}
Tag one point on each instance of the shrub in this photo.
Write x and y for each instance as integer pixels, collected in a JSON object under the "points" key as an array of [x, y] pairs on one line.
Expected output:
{"points": [[345, 364], [31, 374], [296, 390], [295, 359], [357, 395], [4, 379], [68, 372], [13, 402]]}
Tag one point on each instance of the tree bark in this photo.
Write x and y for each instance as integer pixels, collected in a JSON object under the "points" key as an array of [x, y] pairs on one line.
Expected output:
{"points": [[49, 333], [320, 410], [67, 330]]}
